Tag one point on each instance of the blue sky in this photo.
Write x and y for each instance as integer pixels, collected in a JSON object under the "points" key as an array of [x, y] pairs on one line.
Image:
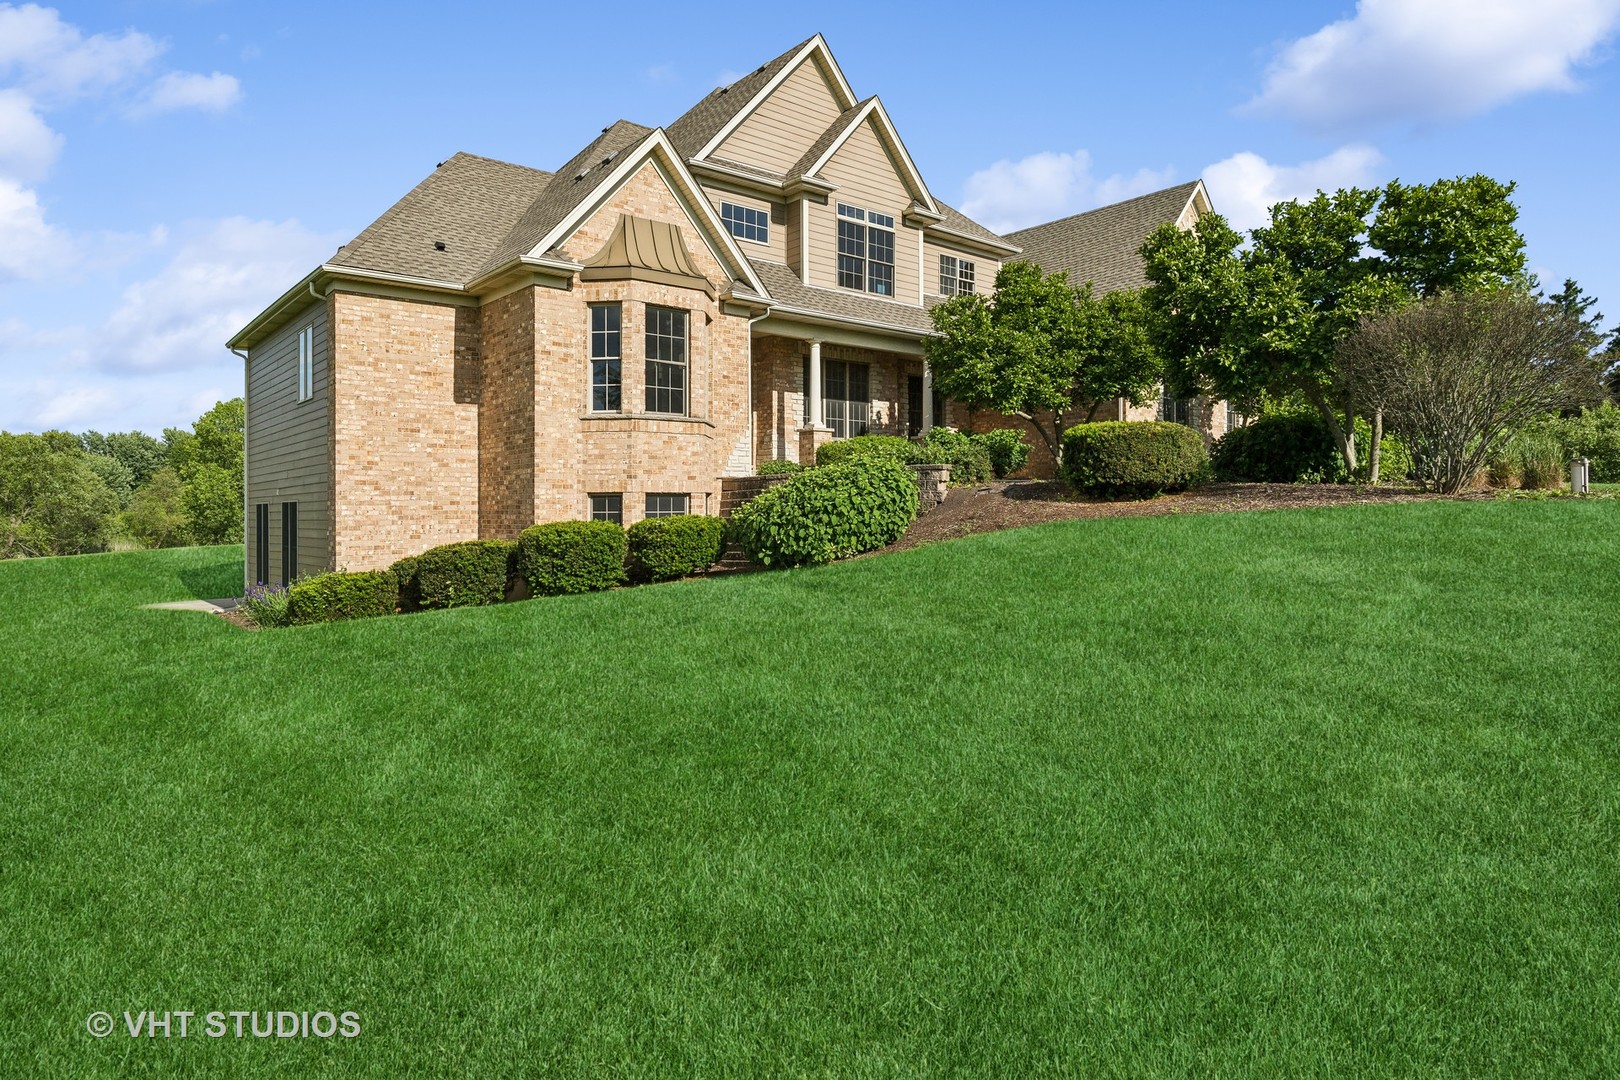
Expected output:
{"points": [[167, 169]]}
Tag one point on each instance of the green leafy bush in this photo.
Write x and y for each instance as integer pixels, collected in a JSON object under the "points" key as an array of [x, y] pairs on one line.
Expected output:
{"points": [[667, 548], [828, 512], [1007, 448], [361, 594], [778, 467], [156, 517], [1296, 447], [465, 574], [266, 606], [571, 556], [1124, 459], [968, 458], [1594, 435], [875, 446]]}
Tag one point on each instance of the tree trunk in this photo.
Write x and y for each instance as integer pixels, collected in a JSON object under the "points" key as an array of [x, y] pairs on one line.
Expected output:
{"points": [[1343, 439], [1375, 451]]}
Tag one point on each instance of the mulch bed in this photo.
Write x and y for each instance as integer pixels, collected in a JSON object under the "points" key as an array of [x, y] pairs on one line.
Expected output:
{"points": [[1034, 502]]}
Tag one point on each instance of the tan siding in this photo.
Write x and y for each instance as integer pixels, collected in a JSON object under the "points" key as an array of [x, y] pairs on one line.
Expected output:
{"points": [[289, 456], [775, 248], [984, 269], [866, 177], [784, 126]]}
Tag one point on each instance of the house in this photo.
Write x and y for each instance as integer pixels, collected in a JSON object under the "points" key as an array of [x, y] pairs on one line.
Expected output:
{"points": [[610, 340]]}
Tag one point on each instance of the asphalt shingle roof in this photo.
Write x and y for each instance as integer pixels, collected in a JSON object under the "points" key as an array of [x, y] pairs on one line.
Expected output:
{"points": [[1101, 246], [957, 221], [468, 203], [827, 138], [786, 288], [702, 121]]}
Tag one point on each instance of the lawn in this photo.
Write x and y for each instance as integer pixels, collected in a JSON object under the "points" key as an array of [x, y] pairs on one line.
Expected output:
{"points": [[1306, 793]]}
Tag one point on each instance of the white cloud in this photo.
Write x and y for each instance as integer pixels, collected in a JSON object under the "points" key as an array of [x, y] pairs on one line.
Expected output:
{"points": [[1426, 60], [1244, 187], [66, 407], [221, 275], [187, 90], [30, 247], [1011, 195], [53, 59], [28, 147]]}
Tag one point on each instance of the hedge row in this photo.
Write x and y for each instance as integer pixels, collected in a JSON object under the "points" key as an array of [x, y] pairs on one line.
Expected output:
{"points": [[973, 459], [473, 572], [1297, 447]]}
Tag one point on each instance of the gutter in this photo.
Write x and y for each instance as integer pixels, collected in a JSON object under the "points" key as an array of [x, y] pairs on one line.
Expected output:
{"points": [[969, 240], [824, 319]]}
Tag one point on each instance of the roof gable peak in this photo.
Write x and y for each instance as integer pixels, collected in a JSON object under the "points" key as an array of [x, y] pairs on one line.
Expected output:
{"points": [[758, 86]]}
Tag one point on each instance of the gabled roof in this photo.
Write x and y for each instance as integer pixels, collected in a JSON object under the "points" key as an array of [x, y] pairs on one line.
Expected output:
{"points": [[956, 221], [835, 131], [572, 185], [1102, 246], [468, 203], [692, 132]]}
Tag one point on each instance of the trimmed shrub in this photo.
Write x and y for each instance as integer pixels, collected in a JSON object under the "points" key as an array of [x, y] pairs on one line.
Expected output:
{"points": [[571, 556], [1280, 448], [874, 446], [1007, 448], [466, 574], [828, 513], [778, 467], [1297, 448], [330, 597], [1124, 459], [667, 548], [968, 458]]}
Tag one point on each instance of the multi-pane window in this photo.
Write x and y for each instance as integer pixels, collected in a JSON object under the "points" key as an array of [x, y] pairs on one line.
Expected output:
{"points": [[955, 276], [846, 398], [746, 223], [666, 360], [665, 505], [1175, 410], [606, 384], [306, 363], [608, 508], [865, 250]]}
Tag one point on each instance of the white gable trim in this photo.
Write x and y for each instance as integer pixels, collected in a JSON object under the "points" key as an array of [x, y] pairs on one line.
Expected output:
{"points": [[874, 110], [1192, 199], [657, 149], [815, 46]]}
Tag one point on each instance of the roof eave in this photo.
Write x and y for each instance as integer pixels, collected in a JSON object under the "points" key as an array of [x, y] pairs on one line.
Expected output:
{"points": [[996, 247]]}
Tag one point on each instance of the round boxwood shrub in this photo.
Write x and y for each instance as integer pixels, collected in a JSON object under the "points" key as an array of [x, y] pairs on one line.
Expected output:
{"points": [[1297, 447], [342, 595], [777, 467], [667, 548], [968, 458], [828, 512], [1008, 450], [1131, 459], [465, 574], [571, 556]]}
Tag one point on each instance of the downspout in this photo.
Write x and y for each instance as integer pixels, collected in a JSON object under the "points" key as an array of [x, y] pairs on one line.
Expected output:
{"points": [[245, 373]]}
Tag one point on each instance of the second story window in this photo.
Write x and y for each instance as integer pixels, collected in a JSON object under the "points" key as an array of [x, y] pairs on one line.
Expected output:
{"points": [[605, 357], [955, 276], [666, 360], [865, 250], [746, 223], [306, 363]]}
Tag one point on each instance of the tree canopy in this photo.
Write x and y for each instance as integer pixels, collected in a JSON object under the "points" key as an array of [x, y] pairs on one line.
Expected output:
{"points": [[1040, 348]]}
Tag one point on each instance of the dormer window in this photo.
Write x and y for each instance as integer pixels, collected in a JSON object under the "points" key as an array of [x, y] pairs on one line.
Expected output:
{"points": [[865, 250]]}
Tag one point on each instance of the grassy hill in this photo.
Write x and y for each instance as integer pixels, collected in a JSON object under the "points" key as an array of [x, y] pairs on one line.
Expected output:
{"points": [[1307, 793]]}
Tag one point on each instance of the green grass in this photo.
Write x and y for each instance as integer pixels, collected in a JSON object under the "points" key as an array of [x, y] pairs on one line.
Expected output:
{"points": [[1315, 793]]}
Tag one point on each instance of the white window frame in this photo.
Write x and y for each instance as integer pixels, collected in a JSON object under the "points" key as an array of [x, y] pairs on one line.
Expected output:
{"points": [[856, 226], [956, 276], [306, 363]]}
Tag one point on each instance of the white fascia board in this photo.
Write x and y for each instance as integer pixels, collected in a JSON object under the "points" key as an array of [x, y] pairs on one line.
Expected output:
{"points": [[889, 135], [815, 45], [657, 149]]}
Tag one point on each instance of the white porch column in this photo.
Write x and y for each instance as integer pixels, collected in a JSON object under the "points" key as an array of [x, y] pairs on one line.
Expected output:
{"points": [[928, 398], [816, 419]]}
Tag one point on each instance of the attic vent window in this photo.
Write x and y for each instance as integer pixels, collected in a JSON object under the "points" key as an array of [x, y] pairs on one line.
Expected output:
{"points": [[438, 245]]}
